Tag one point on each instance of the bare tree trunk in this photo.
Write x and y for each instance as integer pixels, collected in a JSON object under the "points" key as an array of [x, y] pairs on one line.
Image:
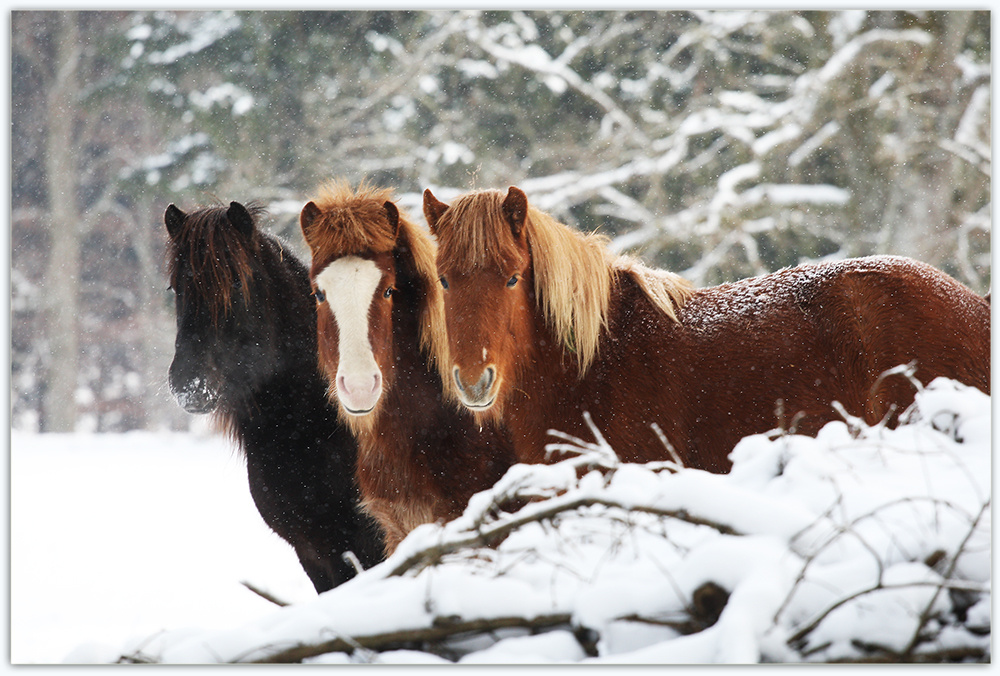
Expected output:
{"points": [[918, 215], [62, 278]]}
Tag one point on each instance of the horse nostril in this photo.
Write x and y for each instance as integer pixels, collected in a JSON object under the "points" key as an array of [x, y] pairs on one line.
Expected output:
{"points": [[377, 382], [487, 380], [458, 378]]}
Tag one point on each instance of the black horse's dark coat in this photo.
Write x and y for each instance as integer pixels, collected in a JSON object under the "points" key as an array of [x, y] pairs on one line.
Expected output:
{"points": [[246, 351]]}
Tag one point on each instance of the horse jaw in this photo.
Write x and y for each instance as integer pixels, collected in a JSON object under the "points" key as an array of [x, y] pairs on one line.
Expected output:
{"points": [[349, 285]]}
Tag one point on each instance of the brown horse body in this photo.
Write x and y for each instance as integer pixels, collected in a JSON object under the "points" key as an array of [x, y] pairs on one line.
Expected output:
{"points": [[420, 455], [708, 366]]}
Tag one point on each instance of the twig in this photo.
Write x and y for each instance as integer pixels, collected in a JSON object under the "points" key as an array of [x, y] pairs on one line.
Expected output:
{"points": [[597, 454], [351, 558], [263, 594], [926, 614], [802, 633], [666, 444]]}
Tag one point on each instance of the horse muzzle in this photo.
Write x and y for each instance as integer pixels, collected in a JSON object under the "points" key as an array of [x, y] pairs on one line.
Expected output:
{"points": [[480, 395], [359, 393], [195, 395]]}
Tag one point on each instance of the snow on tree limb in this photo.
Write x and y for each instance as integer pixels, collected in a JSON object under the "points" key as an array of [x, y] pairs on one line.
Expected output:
{"points": [[862, 544]]}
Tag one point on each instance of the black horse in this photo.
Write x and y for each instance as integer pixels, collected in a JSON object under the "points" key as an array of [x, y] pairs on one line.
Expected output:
{"points": [[246, 352]]}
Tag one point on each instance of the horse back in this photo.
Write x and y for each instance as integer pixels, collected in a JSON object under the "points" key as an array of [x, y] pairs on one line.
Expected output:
{"points": [[881, 312], [777, 350]]}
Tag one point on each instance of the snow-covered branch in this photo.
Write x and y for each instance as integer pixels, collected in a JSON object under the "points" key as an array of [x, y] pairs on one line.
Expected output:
{"points": [[857, 545]]}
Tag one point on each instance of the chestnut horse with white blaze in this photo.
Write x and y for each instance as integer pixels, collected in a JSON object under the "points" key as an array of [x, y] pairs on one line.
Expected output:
{"points": [[380, 331], [544, 324]]}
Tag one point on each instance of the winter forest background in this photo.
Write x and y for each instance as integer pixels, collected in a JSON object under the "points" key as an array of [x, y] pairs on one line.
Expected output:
{"points": [[715, 144]]}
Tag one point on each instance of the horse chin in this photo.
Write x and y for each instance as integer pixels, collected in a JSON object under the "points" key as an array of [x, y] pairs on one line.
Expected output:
{"points": [[358, 409], [480, 406]]}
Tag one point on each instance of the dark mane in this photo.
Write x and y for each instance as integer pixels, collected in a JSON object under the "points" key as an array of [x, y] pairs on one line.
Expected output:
{"points": [[218, 261]]}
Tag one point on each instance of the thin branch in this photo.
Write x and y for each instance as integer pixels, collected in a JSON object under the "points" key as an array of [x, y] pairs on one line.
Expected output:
{"points": [[264, 594], [926, 614], [802, 633], [441, 628]]}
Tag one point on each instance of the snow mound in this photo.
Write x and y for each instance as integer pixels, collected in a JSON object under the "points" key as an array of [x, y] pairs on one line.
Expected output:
{"points": [[862, 544]]}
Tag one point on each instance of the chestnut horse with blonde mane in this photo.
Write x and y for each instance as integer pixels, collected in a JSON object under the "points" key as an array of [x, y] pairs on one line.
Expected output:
{"points": [[545, 324], [380, 324]]}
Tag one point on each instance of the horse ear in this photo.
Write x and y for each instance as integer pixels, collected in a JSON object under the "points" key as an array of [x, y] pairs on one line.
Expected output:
{"points": [[241, 218], [433, 210], [174, 218], [515, 209], [392, 213], [307, 221]]}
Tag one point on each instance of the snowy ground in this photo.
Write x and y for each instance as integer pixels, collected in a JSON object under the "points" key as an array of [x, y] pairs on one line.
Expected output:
{"points": [[861, 544], [119, 536]]}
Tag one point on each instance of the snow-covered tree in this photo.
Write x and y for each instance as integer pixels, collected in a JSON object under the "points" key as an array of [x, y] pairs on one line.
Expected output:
{"points": [[717, 144]]}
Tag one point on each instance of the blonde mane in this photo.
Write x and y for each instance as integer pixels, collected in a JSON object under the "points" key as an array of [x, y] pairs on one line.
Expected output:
{"points": [[574, 272], [355, 222], [573, 281]]}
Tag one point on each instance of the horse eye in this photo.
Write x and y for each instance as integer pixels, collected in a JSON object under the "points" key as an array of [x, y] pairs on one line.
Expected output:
{"points": [[512, 281], [319, 295], [388, 292], [444, 282]]}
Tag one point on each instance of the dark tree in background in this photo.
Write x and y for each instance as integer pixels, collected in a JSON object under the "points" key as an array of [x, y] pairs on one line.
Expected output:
{"points": [[717, 144]]}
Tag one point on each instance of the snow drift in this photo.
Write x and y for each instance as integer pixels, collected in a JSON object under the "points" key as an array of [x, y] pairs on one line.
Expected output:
{"points": [[862, 544]]}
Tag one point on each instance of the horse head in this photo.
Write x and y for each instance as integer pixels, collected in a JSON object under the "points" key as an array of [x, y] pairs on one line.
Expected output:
{"points": [[354, 239], [223, 339], [485, 267]]}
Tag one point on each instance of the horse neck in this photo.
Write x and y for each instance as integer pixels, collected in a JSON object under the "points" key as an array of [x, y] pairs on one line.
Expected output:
{"points": [[285, 415], [290, 402], [550, 392], [548, 370]]}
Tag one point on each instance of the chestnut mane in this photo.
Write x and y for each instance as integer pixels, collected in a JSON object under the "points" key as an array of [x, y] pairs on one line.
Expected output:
{"points": [[219, 257], [574, 272], [362, 226]]}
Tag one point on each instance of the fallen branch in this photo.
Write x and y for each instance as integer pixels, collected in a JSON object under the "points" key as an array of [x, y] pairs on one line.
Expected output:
{"points": [[441, 629], [495, 532]]}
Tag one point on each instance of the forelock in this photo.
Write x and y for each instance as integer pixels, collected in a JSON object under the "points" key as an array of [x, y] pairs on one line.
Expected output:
{"points": [[473, 230], [352, 222], [218, 256]]}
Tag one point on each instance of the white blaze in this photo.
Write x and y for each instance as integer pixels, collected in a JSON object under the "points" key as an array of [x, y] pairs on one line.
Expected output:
{"points": [[349, 284]]}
